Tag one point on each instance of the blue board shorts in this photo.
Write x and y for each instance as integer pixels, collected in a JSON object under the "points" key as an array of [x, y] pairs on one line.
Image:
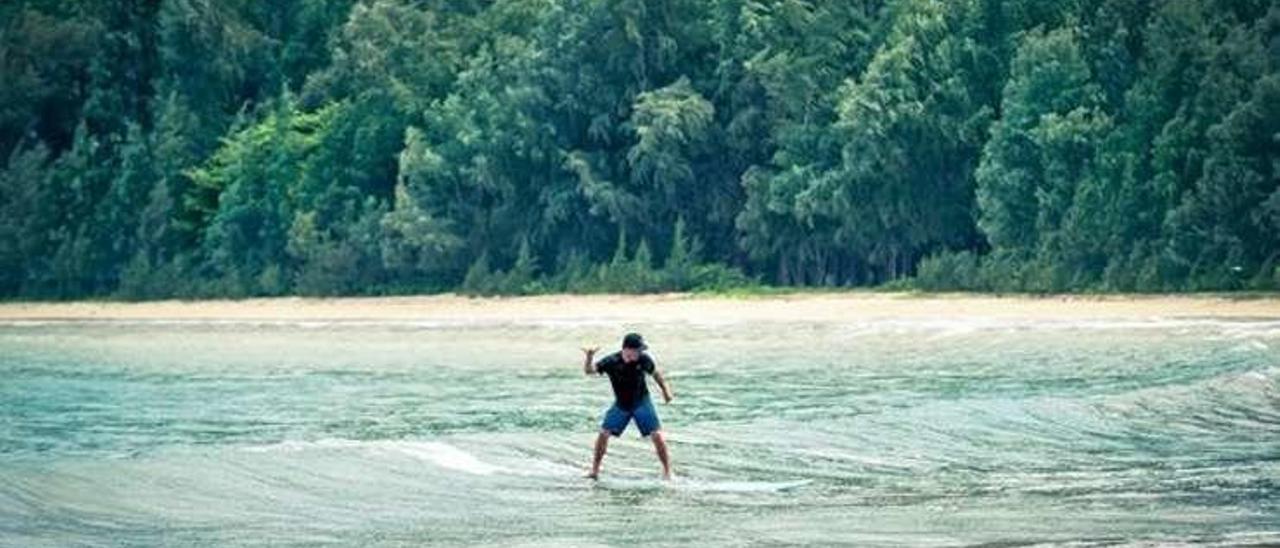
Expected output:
{"points": [[646, 417]]}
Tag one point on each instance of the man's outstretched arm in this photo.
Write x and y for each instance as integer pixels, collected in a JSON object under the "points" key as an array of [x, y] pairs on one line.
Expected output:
{"points": [[589, 354], [667, 395]]}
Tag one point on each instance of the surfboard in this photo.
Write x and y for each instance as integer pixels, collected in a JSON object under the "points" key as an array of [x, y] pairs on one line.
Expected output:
{"points": [[679, 483]]}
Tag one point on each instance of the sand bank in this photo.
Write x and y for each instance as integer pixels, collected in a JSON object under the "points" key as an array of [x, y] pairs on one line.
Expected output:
{"points": [[812, 307]]}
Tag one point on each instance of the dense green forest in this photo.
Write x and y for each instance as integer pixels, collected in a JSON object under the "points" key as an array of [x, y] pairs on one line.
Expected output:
{"points": [[235, 147]]}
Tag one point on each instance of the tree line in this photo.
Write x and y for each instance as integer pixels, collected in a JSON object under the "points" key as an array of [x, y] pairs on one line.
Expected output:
{"points": [[210, 148]]}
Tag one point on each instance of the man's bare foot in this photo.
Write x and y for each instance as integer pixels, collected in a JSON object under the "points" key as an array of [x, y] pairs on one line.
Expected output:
{"points": [[666, 475], [592, 475]]}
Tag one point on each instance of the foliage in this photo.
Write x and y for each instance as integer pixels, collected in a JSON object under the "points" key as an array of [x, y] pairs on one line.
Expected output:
{"points": [[201, 148]]}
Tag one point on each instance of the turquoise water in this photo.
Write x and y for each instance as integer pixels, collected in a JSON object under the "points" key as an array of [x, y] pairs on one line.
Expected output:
{"points": [[894, 432]]}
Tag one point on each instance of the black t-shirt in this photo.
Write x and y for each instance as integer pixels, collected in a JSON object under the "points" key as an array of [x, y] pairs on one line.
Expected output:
{"points": [[627, 378]]}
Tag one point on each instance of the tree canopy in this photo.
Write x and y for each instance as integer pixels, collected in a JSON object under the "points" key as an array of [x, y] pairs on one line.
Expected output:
{"points": [[233, 148]]}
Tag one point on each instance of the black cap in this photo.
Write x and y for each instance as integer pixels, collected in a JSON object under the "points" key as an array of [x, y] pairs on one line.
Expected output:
{"points": [[634, 340]]}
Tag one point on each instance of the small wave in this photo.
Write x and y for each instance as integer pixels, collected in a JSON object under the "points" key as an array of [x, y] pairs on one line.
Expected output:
{"points": [[1230, 403], [439, 453], [447, 456]]}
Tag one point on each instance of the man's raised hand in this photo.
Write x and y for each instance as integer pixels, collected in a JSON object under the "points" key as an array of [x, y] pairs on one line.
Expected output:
{"points": [[589, 354]]}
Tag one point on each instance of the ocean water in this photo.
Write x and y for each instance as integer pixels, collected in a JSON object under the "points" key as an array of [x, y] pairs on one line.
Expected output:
{"points": [[923, 432]]}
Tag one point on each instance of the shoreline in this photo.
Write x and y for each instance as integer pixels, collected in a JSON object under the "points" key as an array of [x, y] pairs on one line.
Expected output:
{"points": [[801, 306]]}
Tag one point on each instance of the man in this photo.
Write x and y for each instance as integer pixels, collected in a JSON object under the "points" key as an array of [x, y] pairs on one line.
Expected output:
{"points": [[626, 369]]}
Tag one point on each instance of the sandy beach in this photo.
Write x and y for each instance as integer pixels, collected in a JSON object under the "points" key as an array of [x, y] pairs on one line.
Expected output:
{"points": [[815, 307]]}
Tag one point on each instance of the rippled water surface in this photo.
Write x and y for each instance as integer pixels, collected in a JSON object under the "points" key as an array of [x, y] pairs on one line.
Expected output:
{"points": [[910, 432]]}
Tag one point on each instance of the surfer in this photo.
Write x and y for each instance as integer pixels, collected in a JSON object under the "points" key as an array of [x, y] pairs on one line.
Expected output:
{"points": [[626, 369]]}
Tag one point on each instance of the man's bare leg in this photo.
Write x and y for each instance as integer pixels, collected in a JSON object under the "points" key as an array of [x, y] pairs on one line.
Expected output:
{"points": [[602, 445], [660, 445]]}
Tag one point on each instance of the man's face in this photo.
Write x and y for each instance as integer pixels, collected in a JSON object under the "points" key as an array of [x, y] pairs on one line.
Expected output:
{"points": [[630, 354]]}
